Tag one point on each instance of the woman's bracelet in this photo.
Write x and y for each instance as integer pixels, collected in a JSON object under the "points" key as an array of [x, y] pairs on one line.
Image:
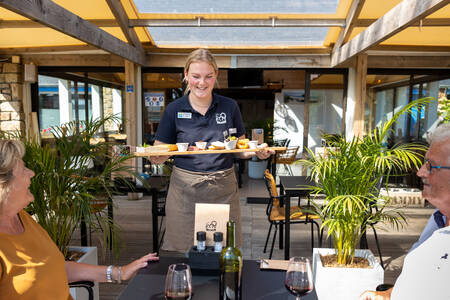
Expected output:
{"points": [[109, 273]]}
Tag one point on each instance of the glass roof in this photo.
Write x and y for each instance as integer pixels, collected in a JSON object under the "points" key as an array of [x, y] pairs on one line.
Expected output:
{"points": [[238, 6], [231, 36]]}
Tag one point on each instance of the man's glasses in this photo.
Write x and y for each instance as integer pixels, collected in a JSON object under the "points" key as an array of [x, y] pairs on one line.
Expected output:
{"points": [[430, 167]]}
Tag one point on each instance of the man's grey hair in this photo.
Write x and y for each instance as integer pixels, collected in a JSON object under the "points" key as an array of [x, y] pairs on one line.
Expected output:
{"points": [[441, 133]]}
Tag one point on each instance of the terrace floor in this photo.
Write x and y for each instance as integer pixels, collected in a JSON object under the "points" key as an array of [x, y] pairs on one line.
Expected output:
{"points": [[134, 217]]}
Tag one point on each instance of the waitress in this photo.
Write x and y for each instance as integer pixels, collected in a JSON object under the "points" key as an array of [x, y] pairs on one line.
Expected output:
{"points": [[200, 115]]}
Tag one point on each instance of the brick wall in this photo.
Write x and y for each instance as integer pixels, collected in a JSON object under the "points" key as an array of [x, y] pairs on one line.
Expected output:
{"points": [[12, 117]]}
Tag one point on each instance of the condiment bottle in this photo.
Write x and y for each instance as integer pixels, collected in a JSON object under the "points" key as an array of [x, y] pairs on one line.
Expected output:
{"points": [[201, 240], [218, 238]]}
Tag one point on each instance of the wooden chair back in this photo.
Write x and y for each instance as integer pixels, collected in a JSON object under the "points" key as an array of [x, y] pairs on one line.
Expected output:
{"points": [[288, 156]]}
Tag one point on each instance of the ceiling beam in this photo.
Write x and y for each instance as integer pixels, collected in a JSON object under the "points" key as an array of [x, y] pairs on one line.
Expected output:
{"points": [[52, 15], [352, 17], [398, 18], [33, 24], [271, 22], [122, 18]]}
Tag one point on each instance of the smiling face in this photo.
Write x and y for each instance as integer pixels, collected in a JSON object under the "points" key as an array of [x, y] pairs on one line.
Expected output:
{"points": [[201, 77], [436, 185], [19, 193]]}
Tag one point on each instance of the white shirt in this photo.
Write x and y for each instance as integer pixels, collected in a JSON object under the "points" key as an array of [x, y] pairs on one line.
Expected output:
{"points": [[426, 270]]}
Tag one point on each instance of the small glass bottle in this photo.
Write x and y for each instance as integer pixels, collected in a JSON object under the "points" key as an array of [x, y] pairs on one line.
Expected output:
{"points": [[201, 240], [218, 238]]}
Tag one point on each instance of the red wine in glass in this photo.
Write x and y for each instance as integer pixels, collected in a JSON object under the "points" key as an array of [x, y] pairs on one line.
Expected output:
{"points": [[298, 279], [186, 296]]}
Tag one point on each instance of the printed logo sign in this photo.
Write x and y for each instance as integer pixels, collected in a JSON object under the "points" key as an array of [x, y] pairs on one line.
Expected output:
{"points": [[221, 118], [184, 115], [211, 226]]}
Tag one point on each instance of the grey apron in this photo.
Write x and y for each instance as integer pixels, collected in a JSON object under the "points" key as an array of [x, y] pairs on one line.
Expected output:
{"points": [[188, 188]]}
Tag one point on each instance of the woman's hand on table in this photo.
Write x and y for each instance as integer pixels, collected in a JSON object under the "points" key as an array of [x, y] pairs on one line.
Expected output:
{"points": [[129, 270]]}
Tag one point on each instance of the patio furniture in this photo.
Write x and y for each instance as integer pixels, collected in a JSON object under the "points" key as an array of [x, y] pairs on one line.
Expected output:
{"points": [[287, 158], [84, 284], [296, 186], [257, 284], [276, 213]]}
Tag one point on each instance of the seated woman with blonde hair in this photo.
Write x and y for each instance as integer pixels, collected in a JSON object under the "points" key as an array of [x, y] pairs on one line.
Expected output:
{"points": [[31, 266]]}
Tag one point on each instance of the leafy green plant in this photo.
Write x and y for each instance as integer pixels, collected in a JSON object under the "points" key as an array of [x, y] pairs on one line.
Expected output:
{"points": [[350, 176], [444, 109], [70, 174]]}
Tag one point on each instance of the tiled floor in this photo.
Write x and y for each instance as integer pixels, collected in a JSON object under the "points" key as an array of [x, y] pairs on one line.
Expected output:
{"points": [[135, 219]]}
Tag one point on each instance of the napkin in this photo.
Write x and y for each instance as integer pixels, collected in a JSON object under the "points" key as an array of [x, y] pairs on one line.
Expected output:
{"points": [[273, 264]]}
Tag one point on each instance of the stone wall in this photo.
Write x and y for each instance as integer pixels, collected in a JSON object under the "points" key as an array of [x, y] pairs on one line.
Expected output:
{"points": [[12, 116]]}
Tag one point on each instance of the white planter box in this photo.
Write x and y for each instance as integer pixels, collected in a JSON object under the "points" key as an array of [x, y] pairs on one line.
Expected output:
{"points": [[408, 197], [345, 283], [90, 257]]}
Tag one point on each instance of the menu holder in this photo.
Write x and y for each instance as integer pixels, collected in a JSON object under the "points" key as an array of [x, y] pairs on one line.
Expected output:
{"points": [[273, 264]]}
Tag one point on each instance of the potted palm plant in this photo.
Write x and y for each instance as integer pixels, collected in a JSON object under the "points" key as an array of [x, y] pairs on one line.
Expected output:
{"points": [[71, 172], [349, 176]]}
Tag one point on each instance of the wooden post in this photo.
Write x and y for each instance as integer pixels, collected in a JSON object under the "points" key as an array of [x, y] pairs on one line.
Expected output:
{"points": [[130, 103], [360, 94]]}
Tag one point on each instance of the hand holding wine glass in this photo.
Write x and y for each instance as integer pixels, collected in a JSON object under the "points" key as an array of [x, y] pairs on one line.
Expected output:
{"points": [[179, 282], [299, 280]]}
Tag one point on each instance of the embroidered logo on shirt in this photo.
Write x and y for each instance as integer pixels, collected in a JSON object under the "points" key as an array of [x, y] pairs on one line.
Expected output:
{"points": [[221, 118], [445, 256], [184, 115]]}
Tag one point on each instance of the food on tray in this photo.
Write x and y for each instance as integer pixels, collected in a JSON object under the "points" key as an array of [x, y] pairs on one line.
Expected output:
{"points": [[262, 146], [230, 138], [231, 144], [216, 146], [242, 143], [161, 148], [182, 147], [200, 145]]}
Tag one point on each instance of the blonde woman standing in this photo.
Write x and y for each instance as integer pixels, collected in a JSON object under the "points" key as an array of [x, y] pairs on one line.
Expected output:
{"points": [[31, 265], [200, 115]]}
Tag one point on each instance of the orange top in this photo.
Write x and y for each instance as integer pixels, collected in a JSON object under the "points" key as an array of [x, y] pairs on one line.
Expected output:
{"points": [[31, 266]]}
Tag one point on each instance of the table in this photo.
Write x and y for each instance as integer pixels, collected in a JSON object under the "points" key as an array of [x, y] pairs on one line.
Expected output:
{"points": [[292, 186], [149, 283]]}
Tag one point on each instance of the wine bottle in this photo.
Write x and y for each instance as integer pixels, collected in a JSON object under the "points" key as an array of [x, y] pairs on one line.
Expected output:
{"points": [[230, 267]]}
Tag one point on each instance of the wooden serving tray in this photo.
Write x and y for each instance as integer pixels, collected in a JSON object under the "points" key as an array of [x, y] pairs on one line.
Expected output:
{"points": [[171, 153]]}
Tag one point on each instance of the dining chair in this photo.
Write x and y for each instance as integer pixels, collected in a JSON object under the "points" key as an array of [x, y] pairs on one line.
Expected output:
{"points": [[276, 213], [88, 285], [287, 158], [373, 209]]}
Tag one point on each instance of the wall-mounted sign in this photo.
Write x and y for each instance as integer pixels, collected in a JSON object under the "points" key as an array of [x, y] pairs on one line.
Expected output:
{"points": [[154, 100], [130, 88]]}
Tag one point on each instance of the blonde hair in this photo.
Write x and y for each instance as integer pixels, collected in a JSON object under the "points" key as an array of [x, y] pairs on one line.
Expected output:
{"points": [[10, 152], [199, 55]]}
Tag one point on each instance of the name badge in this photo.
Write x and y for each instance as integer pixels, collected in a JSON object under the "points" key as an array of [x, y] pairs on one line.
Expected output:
{"points": [[184, 115]]}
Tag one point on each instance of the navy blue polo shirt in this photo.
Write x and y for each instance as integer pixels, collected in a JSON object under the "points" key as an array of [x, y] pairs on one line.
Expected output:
{"points": [[180, 123]]}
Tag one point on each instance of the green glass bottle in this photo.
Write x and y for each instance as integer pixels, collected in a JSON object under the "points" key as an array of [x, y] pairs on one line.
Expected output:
{"points": [[230, 267]]}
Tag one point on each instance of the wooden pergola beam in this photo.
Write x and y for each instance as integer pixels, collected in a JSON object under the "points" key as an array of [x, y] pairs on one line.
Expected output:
{"points": [[352, 17], [54, 16], [122, 18], [33, 24], [400, 17]]}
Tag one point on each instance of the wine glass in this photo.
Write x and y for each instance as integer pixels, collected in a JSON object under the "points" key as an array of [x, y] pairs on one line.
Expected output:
{"points": [[179, 282], [299, 279]]}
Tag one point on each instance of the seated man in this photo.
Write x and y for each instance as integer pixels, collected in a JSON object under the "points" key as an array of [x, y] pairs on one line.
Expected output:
{"points": [[426, 268]]}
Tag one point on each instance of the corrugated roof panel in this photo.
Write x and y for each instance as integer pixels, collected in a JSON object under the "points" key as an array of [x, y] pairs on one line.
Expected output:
{"points": [[230, 36], [237, 6]]}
